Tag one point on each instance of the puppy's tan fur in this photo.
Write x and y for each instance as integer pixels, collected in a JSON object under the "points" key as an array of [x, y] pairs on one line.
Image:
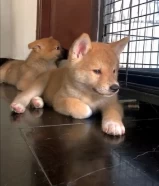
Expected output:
{"points": [[82, 86], [22, 73]]}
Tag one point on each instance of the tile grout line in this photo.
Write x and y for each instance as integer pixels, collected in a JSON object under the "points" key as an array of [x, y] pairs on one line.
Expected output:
{"points": [[35, 156], [43, 126]]}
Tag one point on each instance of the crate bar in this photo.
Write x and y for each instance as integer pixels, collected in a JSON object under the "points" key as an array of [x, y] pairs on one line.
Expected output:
{"points": [[128, 7], [128, 43]]}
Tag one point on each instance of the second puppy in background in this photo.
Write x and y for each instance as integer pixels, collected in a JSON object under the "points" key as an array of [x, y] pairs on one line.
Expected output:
{"points": [[44, 55]]}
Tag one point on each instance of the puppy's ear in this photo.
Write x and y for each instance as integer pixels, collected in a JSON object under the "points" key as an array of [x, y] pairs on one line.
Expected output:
{"points": [[80, 47], [36, 45], [119, 46]]}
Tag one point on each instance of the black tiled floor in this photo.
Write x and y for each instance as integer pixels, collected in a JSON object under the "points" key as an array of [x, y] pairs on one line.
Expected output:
{"points": [[42, 148]]}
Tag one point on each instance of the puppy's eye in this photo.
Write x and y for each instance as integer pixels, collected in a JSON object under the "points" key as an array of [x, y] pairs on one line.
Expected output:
{"points": [[57, 48], [97, 71], [114, 71]]}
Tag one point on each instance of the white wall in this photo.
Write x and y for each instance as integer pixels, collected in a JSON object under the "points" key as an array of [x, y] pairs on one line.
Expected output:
{"points": [[17, 27]]}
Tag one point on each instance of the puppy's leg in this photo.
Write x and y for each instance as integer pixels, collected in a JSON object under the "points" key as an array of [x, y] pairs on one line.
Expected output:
{"points": [[23, 84], [112, 120], [23, 99], [26, 80], [72, 107], [37, 102]]}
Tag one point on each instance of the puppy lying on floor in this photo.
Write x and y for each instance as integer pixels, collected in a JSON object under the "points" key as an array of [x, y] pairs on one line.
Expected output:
{"points": [[87, 83], [45, 52]]}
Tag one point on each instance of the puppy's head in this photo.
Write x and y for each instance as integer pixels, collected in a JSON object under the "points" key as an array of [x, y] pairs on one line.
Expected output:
{"points": [[47, 48], [95, 65]]}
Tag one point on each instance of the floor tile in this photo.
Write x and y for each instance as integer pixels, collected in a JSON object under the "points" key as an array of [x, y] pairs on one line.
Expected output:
{"points": [[42, 148]]}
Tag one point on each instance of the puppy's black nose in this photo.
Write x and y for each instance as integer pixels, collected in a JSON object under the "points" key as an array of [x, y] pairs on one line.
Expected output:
{"points": [[114, 87]]}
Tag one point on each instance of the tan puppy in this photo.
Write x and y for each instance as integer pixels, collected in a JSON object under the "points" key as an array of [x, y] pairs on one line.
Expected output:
{"points": [[45, 52], [88, 83]]}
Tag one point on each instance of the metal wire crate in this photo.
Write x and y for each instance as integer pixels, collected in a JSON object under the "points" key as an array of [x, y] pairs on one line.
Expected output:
{"points": [[139, 62]]}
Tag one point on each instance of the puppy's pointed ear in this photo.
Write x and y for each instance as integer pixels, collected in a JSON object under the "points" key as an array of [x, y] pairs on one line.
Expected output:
{"points": [[36, 45], [80, 47], [119, 46]]}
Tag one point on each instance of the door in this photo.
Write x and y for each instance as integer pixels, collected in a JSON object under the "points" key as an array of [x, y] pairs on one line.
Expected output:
{"points": [[65, 20]]}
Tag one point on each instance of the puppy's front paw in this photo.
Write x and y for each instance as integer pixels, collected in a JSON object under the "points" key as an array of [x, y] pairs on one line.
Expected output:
{"points": [[37, 102], [82, 113], [115, 128], [17, 108]]}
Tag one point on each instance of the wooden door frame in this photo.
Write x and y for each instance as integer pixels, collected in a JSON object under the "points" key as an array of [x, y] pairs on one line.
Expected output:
{"points": [[44, 19]]}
